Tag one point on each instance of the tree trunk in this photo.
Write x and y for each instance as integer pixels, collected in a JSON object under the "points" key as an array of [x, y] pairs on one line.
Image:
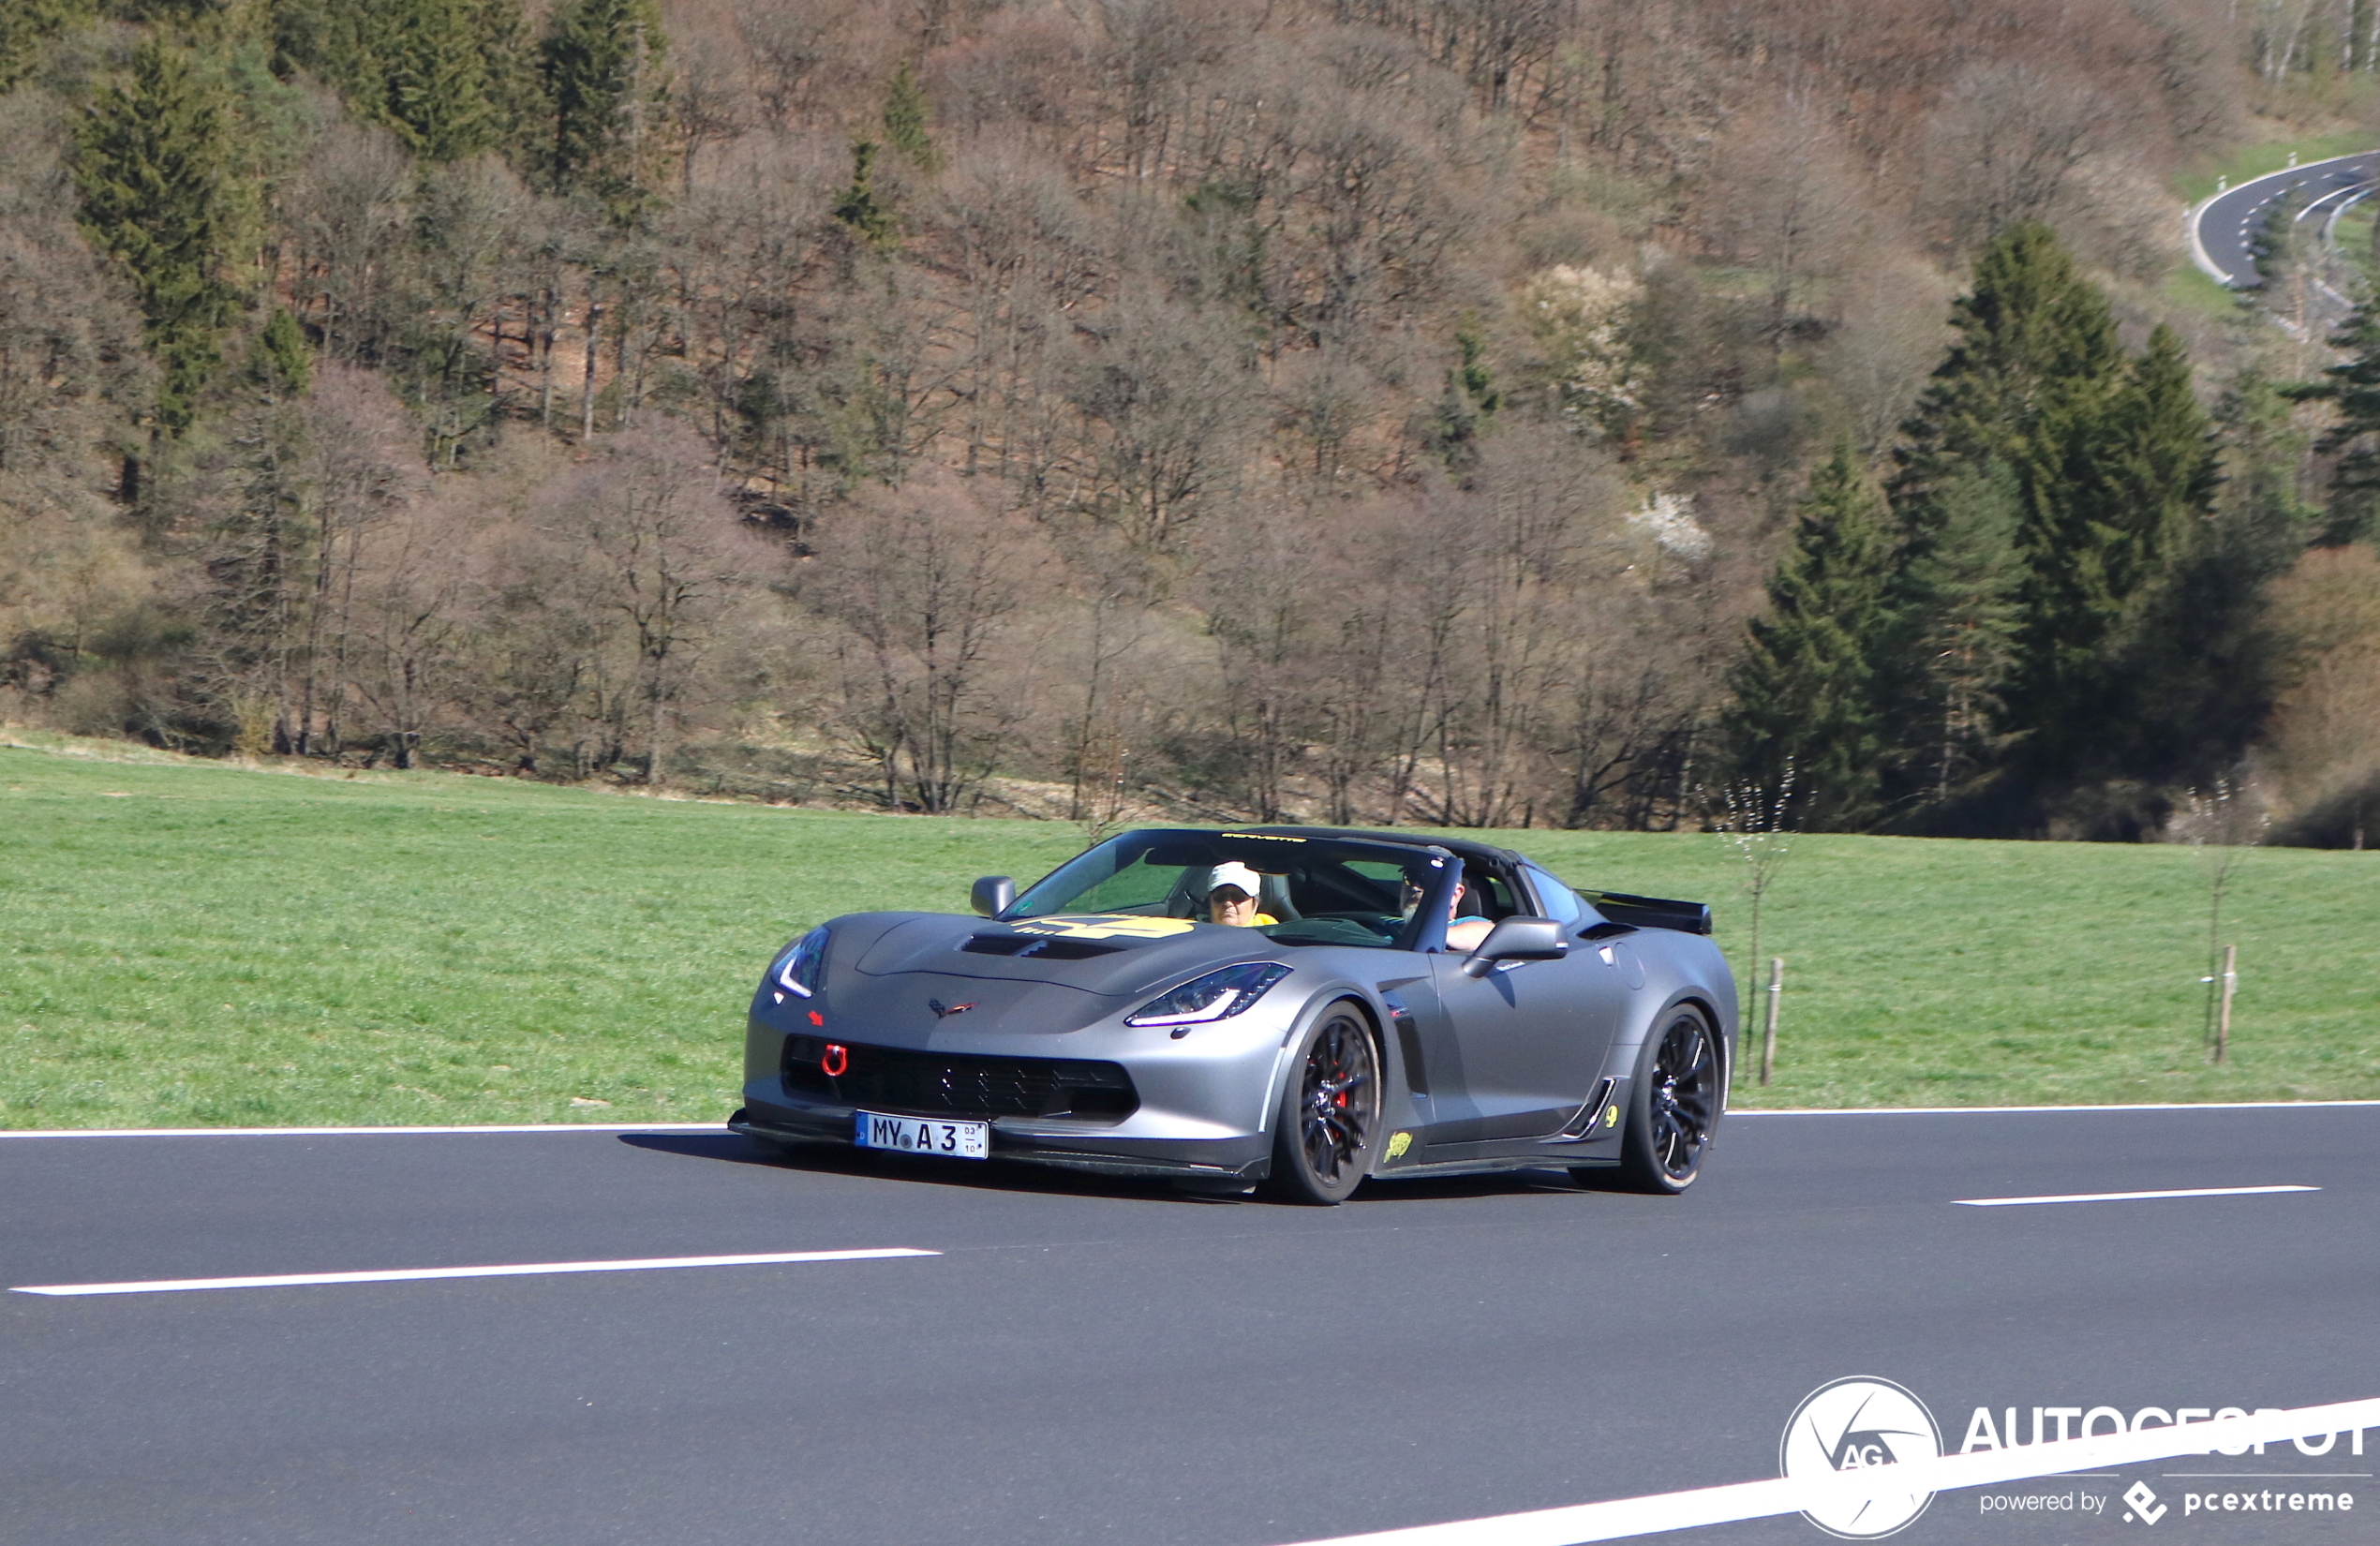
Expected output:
{"points": [[586, 389]]}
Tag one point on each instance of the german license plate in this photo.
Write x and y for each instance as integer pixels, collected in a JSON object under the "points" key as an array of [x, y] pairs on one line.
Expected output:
{"points": [[925, 1136]]}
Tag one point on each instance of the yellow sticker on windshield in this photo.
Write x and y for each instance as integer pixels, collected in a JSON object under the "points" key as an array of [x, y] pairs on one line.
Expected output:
{"points": [[1103, 925]]}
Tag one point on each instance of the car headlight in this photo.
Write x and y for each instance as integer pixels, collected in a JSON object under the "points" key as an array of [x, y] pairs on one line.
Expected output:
{"points": [[1216, 996], [797, 972]]}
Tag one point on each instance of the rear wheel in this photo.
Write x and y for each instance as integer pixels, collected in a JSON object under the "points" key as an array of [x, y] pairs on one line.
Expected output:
{"points": [[1674, 1104], [1329, 1111]]}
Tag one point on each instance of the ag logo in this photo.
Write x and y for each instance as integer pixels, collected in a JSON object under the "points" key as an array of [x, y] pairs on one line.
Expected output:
{"points": [[1855, 1424]]}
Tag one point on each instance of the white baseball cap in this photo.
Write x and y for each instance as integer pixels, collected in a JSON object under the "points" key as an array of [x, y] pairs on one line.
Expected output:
{"points": [[1233, 872]]}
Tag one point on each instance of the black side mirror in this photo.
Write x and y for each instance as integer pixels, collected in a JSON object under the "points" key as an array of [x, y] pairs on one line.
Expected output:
{"points": [[992, 895], [1517, 940]]}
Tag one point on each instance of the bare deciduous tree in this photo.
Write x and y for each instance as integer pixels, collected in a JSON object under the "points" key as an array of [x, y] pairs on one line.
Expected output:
{"points": [[662, 553], [2005, 146], [350, 228], [923, 582], [1165, 392]]}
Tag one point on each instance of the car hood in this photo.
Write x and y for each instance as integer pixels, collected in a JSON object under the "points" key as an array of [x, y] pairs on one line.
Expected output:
{"points": [[1109, 956]]}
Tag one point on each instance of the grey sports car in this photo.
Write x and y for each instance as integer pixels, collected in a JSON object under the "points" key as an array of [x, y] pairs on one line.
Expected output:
{"points": [[1371, 1004]]}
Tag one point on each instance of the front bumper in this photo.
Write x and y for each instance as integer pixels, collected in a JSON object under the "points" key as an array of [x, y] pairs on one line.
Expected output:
{"points": [[1171, 1108], [1238, 1159]]}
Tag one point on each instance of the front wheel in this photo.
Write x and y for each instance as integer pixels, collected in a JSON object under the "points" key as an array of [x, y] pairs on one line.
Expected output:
{"points": [[1673, 1106], [1329, 1110]]}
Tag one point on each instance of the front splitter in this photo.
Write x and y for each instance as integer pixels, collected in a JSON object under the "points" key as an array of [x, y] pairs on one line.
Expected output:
{"points": [[1241, 1160]]}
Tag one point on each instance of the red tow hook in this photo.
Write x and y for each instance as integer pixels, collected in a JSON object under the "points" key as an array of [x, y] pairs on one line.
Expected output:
{"points": [[836, 1062]]}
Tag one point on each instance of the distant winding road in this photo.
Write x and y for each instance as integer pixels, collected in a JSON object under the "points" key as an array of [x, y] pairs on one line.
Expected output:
{"points": [[2221, 226]]}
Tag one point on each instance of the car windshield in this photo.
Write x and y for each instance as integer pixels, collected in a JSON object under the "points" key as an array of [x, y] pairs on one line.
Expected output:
{"points": [[1308, 890]]}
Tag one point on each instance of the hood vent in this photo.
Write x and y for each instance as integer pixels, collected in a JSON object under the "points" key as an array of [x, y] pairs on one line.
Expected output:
{"points": [[1040, 947]]}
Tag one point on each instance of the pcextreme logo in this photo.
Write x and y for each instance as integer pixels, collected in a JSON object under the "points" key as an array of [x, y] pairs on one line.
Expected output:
{"points": [[1851, 1424]]}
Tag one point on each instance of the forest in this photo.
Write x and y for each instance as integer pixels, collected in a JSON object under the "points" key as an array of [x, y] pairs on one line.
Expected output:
{"points": [[1580, 413]]}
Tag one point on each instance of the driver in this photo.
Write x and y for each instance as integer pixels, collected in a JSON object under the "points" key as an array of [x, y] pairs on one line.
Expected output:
{"points": [[1231, 891], [1463, 934]]}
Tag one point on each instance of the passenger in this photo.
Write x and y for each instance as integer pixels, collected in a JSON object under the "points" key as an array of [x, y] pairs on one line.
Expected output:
{"points": [[1463, 934], [1231, 892]]}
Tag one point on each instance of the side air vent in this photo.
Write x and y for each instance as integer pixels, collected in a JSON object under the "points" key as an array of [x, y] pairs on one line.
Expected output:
{"points": [[1687, 918], [1039, 946]]}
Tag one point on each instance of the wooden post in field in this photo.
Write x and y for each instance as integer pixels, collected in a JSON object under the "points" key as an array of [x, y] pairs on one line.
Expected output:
{"points": [[2230, 986], [1768, 1035]]}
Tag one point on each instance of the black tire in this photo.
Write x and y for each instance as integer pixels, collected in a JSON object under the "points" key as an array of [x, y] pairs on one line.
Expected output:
{"points": [[1330, 1112], [1673, 1104]]}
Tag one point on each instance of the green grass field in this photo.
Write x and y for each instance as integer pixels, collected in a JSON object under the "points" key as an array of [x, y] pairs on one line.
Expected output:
{"points": [[190, 944]]}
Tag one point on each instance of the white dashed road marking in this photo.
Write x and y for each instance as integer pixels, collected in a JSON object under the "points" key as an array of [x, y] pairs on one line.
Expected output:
{"points": [[419, 1275]]}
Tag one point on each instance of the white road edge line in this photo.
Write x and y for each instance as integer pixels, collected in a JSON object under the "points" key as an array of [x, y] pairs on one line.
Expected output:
{"points": [[2130, 1196], [416, 1274], [359, 1132], [1621, 1518], [1734, 1112]]}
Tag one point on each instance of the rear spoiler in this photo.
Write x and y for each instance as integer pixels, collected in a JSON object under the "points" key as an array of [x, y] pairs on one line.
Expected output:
{"points": [[1687, 918]]}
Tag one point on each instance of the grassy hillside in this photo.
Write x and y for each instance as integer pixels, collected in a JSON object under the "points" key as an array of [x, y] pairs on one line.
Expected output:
{"points": [[186, 943]]}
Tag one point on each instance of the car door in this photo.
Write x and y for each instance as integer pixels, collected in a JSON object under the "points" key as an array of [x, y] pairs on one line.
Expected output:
{"points": [[1521, 1046]]}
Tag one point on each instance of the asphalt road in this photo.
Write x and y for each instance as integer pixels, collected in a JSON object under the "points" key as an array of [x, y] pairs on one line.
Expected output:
{"points": [[2226, 222], [1091, 1361]]}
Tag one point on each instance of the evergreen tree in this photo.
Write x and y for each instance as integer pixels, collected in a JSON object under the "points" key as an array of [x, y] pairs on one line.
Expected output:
{"points": [[2264, 456], [1806, 686], [1466, 409], [160, 193], [2198, 659], [1960, 629], [2286, 263], [449, 76], [335, 40], [282, 363], [906, 113], [600, 68], [2118, 472], [2352, 387], [2029, 332], [25, 27], [2035, 343], [2277, 242], [867, 216], [434, 81]]}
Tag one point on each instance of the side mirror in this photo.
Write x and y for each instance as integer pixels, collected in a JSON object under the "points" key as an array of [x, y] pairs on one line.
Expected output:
{"points": [[992, 895], [1517, 940]]}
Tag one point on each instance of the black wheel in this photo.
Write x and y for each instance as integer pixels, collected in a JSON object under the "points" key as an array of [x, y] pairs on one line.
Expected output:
{"points": [[1330, 1112], [1673, 1106]]}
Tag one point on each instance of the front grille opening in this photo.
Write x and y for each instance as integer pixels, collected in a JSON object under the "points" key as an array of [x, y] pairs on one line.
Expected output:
{"points": [[898, 1081], [1039, 946], [1095, 1101]]}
